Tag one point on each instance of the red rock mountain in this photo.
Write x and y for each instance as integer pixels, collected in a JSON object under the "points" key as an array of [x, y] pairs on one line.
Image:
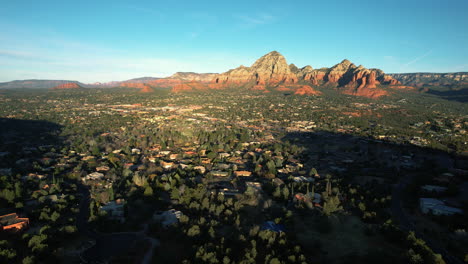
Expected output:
{"points": [[272, 72], [67, 86], [193, 76], [144, 88], [269, 70]]}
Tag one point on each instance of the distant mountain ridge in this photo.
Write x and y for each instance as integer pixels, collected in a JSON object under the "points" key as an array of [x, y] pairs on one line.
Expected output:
{"points": [[271, 72], [37, 84], [426, 79]]}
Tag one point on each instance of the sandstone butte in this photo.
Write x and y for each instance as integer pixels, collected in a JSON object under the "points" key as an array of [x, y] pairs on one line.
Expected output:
{"points": [[271, 72], [144, 88], [67, 86]]}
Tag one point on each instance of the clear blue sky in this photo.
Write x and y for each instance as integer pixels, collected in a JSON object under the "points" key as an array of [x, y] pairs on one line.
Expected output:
{"points": [[101, 40]]}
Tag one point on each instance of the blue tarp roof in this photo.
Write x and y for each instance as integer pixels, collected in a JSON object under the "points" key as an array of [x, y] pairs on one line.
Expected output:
{"points": [[270, 225]]}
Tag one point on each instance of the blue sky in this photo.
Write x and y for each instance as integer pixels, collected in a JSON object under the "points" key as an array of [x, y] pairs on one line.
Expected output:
{"points": [[92, 41]]}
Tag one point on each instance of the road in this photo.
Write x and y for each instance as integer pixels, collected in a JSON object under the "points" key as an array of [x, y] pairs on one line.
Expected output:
{"points": [[408, 225]]}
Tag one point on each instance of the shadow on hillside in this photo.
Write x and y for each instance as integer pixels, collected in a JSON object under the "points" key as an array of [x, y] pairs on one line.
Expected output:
{"points": [[21, 139], [24, 143], [452, 95], [359, 160], [324, 147]]}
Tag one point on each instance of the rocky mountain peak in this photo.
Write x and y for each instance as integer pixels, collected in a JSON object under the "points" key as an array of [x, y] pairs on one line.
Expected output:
{"points": [[343, 66], [272, 68], [273, 62], [293, 68]]}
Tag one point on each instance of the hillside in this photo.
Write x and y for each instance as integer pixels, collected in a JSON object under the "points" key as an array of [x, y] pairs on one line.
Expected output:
{"points": [[272, 72], [425, 79], [36, 84]]}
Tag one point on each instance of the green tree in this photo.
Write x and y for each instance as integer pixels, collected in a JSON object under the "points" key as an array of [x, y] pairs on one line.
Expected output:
{"points": [[37, 243], [277, 192], [286, 193], [55, 216], [148, 191], [193, 231], [28, 260], [331, 205]]}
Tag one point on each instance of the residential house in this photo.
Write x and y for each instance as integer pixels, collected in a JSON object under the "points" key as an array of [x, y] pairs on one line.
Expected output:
{"points": [[303, 179], [165, 152], [228, 191], [136, 151], [201, 169], [168, 217], [243, 173], [278, 182], [223, 155], [220, 173], [13, 222], [437, 207], [272, 226], [102, 168], [433, 188], [254, 185], [167, 165], [93, 176]]}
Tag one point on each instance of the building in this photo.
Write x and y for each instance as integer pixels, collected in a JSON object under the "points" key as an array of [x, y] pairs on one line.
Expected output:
{"points": [[167, 165], [228, 191], [433, 188], [168, 217], [243, 173], [255, 185], [93, 176], [437, 207], [223, 155], [272, 226], [278, 182], [201, 169], [102, 168], [220, 173], [303, 179], [13, 222]]}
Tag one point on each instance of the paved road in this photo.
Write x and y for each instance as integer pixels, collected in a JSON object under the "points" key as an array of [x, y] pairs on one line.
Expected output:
{"points": [[407, 224]]}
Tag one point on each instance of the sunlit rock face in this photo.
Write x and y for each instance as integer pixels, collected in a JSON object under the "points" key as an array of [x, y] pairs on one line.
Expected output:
{"points": [[67, 86]]}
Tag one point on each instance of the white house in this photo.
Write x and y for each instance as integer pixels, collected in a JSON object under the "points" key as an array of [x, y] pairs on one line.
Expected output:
{"points": [[437, 207], [168, 217], [433, 188], [94, 176]]}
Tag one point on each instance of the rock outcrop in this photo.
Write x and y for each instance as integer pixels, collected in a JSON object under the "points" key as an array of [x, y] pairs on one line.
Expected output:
{"points": [[457, 80], [66, 86], [164, 83], [189, 87], [36, 84], [144, 88], [306, 90], [270, 70], [193, 76]]}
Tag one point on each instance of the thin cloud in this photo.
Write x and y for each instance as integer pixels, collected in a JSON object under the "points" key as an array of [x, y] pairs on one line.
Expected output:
{"points": [[22, 55], [463, 67], [259, 19], [145, 10], [417, 58]]}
